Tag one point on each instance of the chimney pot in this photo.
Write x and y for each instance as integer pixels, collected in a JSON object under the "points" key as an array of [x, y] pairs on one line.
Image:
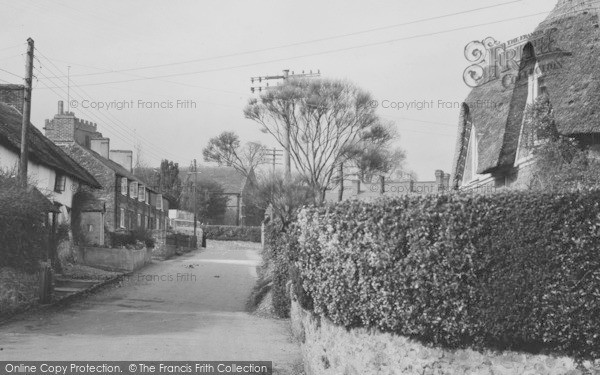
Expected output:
{"points": [[61, 107]]}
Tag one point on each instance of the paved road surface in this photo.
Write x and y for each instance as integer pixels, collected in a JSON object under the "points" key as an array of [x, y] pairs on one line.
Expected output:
{"points": [[191, 307]]}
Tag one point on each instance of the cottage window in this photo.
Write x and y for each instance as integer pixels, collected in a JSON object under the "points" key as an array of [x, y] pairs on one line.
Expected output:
{"points": [[123, 185], [139, 220], [60, 183], [527, 137], [474, 153], [133, 190], [159, 201], [141, 193], [147, 197], [122, 218]]}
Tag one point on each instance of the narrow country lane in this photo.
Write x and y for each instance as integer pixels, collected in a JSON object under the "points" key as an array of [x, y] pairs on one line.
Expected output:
{"points": [[191, 307]]}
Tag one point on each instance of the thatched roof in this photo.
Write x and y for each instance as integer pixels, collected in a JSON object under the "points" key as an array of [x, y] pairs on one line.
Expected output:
{"points": [[572, 85], [41, 149]]}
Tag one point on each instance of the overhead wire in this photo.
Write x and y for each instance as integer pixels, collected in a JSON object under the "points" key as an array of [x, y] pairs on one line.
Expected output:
{"points": [[339, 36], [123, 126]]}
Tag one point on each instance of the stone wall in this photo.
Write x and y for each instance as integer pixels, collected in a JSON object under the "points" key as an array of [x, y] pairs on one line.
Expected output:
{"points": [[114, 259], [331, 349], [17, 289]]}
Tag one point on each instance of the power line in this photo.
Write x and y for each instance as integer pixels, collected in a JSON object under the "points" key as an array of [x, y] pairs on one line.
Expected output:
{"points": [[305, 42], [11, 47], [11, 73], [117, 131], [124, 127], [319, 53]]}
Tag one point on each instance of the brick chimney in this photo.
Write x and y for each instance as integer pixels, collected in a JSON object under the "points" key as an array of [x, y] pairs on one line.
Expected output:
{"points": [[439, 179], [12, 95], [447, 181]]}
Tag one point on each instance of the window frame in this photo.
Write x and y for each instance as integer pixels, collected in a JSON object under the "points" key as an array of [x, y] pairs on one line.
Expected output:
{"points": [[141, 193], [133, 189], [58, 186], [122, 218], [124, 186]]}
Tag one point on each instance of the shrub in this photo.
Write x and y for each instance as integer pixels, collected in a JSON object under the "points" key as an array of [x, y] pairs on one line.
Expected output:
{"points": [[122, 239], [232, 233], [280, 250], [515, 270], [23, 233]]}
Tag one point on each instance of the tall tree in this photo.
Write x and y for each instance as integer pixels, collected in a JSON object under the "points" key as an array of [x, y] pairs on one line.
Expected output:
{"points": [[325, 119], [211, 202], [168, 180], [375, 154], [164, 179], [226, 149]]}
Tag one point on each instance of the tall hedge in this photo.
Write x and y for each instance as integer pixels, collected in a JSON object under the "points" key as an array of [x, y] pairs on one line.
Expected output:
{"points": [[23, 234], [515, 270], [232, 233]]}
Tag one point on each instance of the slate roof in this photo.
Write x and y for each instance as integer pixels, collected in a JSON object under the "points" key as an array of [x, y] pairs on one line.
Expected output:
{"points": [[118, 168], [41, 149], [573, 88]]}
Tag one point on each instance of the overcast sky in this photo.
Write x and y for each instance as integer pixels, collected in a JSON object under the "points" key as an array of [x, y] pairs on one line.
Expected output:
{"points": [[206, 51]]}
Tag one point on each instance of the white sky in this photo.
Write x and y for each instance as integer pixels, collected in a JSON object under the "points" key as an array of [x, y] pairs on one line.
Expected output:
{"points": [[108, 35]]}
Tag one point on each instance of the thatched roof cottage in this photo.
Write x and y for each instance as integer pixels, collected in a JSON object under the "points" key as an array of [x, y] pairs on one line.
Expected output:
{"points": [[561, 59]]}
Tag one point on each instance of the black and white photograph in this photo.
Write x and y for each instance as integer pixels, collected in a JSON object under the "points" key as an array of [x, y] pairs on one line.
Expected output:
{"points": [[275, 187]]}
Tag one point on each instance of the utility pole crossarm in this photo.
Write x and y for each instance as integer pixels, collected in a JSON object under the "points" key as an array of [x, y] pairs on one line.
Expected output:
{"points": [[287, 142]]}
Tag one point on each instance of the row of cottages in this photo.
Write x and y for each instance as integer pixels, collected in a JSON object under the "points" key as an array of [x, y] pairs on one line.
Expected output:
{"points": [[356, 189], [125, 202], [560, 60], [54, 175], [238, 188]]}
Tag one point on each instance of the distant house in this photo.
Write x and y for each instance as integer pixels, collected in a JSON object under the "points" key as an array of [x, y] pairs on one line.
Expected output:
{"points": [[129, 203], [355, 189], [50, 170], [561, 59], [238, 188]]}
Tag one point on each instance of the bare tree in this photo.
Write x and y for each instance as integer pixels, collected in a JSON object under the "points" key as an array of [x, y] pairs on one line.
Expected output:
{"points": [[226, 149], [325, 119]]}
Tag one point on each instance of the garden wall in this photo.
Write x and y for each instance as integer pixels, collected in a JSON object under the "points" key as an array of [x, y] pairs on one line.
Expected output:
{"points": [[331, 349], [114, 259]]}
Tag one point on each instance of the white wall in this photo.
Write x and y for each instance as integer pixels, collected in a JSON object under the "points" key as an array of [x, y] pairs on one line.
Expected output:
{"points": [[43, 178]]}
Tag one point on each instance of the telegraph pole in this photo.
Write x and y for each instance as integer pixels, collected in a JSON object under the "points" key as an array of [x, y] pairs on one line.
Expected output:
{"points": [[195, 199], [286, 75], [271, 156], [24, 157]]}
